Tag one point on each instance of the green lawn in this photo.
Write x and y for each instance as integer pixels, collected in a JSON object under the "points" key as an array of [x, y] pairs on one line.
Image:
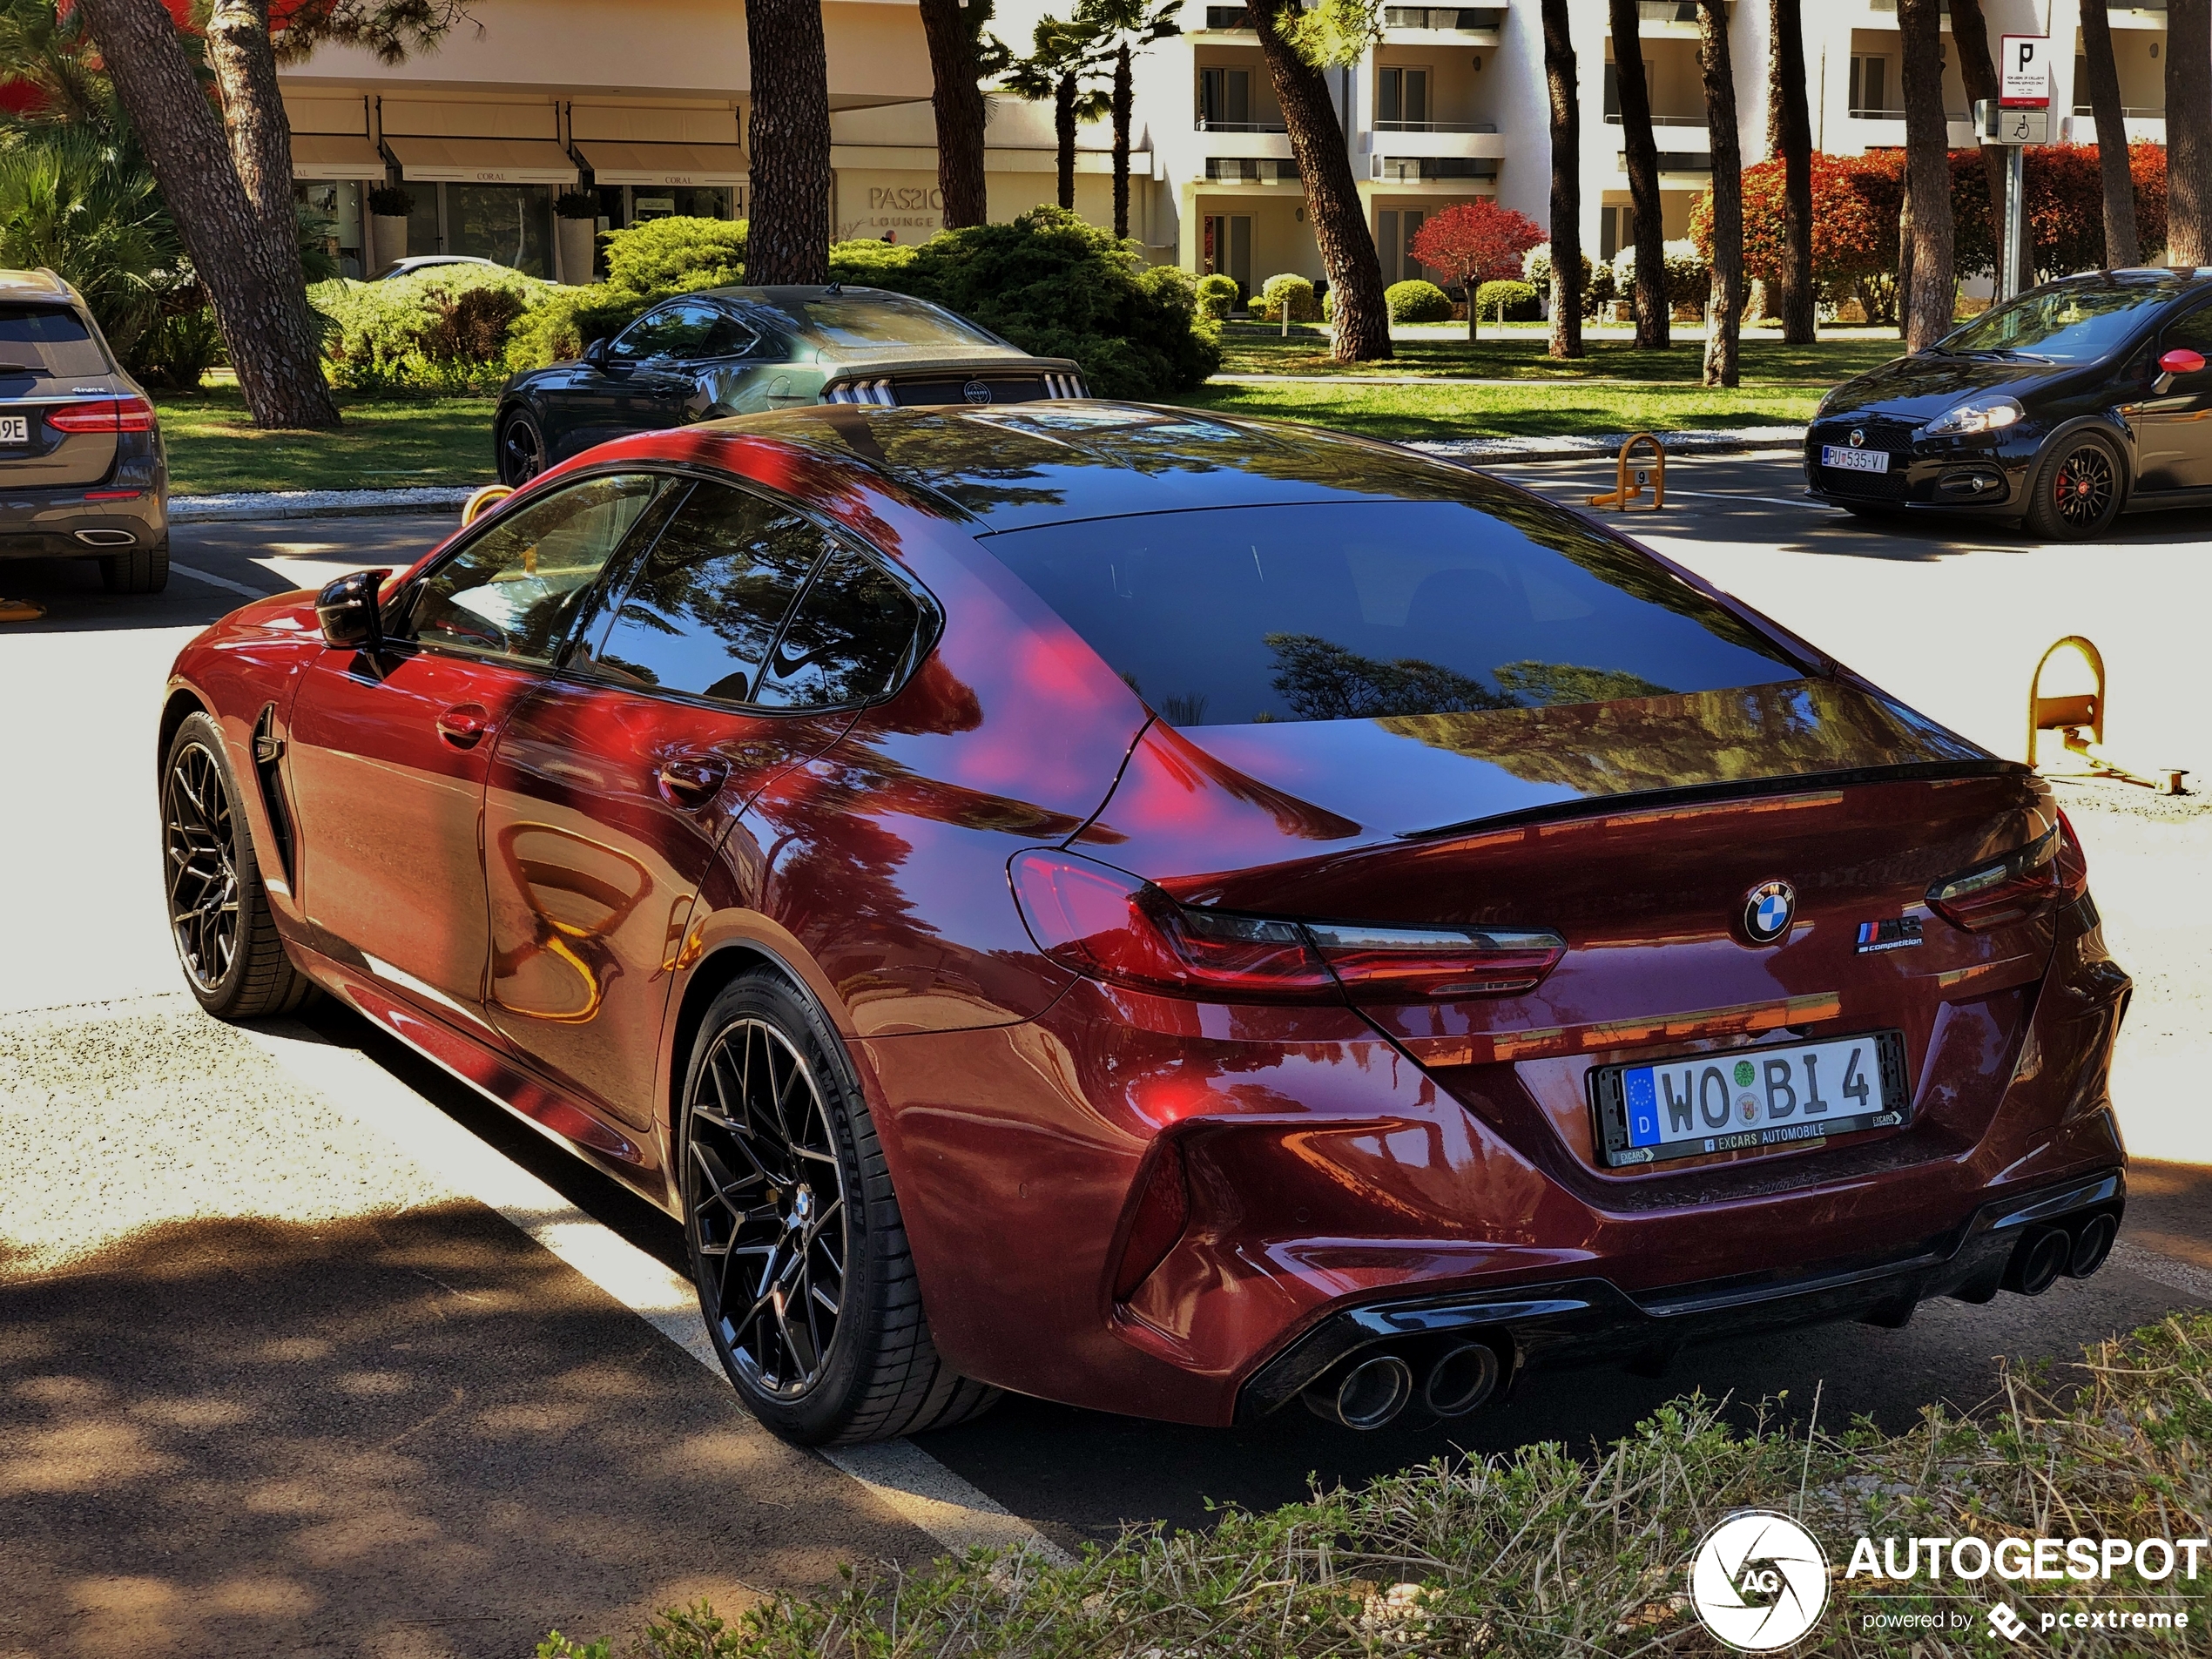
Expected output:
{"points": [[1253, 348], [386, 443]]}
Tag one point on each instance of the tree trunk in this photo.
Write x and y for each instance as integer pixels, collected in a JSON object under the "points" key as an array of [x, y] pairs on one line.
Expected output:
{"points": [[1332, 205], [1125, 103], [1970, 33], [1654, 313], [1063, 134], [788, 136], [1905, 257], [2120, 247], [258, 302], [1567, 182], [1790, 136], [957, 96], [2188, 132], [1724, 310], [1927, 159]]}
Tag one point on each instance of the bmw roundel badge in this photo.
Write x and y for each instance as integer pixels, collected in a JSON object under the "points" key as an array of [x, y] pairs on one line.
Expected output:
{"points": [[976, 391], [1768, 909]]}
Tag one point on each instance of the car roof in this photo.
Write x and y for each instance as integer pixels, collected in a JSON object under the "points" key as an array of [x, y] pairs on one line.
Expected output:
{"points": [[1017, 465], [42, 284]]}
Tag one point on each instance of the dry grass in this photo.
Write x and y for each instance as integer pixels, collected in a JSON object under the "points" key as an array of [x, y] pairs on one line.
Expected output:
{"points": [[1545, 1554]]}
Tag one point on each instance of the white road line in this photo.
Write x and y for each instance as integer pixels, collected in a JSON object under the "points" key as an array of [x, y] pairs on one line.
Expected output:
{"points": [[2161, 1268], [917, 1487], [214, 581], [1770, 501]]}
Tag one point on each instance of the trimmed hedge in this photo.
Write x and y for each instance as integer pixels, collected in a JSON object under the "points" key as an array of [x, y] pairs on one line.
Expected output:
{"points": [[1417, 302], [443, 330], [1507, 301], [1218, 296], [1296, 292]]}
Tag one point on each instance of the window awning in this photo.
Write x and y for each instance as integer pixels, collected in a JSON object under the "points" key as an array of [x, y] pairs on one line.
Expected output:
{"points": [[481, 161], [624, 162], [335, 155]]}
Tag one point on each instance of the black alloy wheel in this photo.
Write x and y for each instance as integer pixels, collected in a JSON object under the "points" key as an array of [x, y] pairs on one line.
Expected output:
{"points": [[227, 939], [795, 1238], [522, 448], [2076, 492]]}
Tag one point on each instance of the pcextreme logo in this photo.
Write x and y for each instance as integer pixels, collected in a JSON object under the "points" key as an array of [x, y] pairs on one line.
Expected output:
{"points": [[1759, 1582]]}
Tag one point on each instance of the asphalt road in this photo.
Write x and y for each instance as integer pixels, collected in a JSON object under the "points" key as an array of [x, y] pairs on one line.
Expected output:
{"points": [[268, 1377]]}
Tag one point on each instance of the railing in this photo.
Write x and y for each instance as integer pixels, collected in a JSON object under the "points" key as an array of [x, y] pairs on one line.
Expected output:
{"points": [[1614, 117], [1899, 115], [1471, 19], [1202, 124], [1436, 126], [1424, 169], [1249, 169], [2129, 113]]}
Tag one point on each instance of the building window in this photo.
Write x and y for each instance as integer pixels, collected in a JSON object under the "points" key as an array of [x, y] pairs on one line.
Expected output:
{"points": [[1226, 249], [340, 204], [1401, 100], [1616, 229], [1869, 86], [509, 225], [1225, 99], [1395, 229]]}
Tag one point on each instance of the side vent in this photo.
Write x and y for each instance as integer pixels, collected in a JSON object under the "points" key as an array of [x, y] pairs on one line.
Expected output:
{"points": [[268, 750]]}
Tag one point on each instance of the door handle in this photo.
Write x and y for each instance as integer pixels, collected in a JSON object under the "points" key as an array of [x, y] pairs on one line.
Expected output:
{"points": [[464, 724], [692, 780]]}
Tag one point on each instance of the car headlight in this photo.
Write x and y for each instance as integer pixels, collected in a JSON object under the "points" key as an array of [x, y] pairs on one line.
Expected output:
{"points": [[1828, 401], [1976, 414]]}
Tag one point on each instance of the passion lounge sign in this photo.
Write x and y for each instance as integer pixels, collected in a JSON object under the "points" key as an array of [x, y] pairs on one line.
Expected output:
{"points": [[907, 206]]}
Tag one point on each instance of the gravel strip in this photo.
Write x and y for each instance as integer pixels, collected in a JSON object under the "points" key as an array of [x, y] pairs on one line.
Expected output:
{"points": [[315, 503], [1695, 442], [126, 1116]]}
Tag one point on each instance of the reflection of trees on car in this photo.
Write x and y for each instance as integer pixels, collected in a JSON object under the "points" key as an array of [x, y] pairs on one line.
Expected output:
{"points": [[1321, 680], [1553, 682]]}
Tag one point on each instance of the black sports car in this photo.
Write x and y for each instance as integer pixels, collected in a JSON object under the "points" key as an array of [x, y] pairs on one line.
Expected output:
{"points": [[2081, 399], [743, 351]]}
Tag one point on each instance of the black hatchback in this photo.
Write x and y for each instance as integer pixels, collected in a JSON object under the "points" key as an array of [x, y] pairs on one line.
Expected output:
{"points": [[2077, 401], [83, 474]]}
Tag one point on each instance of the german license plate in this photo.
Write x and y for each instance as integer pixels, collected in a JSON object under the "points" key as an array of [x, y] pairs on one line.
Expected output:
{"points": [[1768, 1098], [15, 429], [1834, 455]]}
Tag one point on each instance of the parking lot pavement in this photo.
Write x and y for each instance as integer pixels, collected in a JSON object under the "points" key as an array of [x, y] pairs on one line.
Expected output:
{"points": [[234, 1313]]}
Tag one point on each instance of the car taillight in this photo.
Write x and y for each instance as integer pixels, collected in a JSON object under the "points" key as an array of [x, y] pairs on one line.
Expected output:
{"points": [[103, 414], [876, 392], [1105, 924], [2027, 881]]}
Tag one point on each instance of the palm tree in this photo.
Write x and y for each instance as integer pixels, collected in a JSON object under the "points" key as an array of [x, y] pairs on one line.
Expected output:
{"points": [[1790, 135], [1653, 330], [1295, 58], [788, 138], [962, 55], [1567, 181], [1725, 311], [2121, 248], [2188, 132], [1927, 303], [1064, 55], [1126, 26]]}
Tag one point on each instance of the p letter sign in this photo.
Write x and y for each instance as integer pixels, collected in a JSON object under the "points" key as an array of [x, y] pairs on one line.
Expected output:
{"points": [[2024, 73]]}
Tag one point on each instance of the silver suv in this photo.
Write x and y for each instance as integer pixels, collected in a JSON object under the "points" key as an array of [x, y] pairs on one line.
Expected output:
{"points": [[83, 474]]}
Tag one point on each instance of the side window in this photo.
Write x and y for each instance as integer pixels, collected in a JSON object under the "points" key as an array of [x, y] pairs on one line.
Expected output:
{"points": [[847, 642], [682, 331], [706, 604], [2192, 332], [516, 591]]}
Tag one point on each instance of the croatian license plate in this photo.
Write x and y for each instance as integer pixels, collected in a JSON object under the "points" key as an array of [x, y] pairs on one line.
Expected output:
{"points": [[15, 429], [1773, 1096], [1834, 455]]}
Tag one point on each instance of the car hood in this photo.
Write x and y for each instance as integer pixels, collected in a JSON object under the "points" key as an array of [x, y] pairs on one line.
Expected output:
{"points": [[1921, 387]]}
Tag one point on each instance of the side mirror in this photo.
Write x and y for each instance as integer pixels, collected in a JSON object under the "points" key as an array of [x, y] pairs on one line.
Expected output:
{"points": [[2180, 361], [348, 611], [595, 354]]}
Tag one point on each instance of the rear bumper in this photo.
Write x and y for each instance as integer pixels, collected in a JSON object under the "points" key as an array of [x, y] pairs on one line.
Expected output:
{"points": [[64, 524], [1588, 1321]]}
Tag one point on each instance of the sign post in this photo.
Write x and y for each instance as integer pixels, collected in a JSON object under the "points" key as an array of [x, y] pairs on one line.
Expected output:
{"points": [[2022, 116]]}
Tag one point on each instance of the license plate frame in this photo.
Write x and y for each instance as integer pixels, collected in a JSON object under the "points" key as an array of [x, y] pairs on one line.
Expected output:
{"points": [[1839, 459], [15, 430], [1619, 1145]]}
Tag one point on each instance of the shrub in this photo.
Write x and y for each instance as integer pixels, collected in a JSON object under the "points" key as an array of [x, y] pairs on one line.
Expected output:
{"points": [[1417, 302], [559, 325], [668, 256], [391, 201], [1058, 286], [1689, 280], [1295, 291], [179, 351], [445, 329], [575, 204], [1597, 281], [1508, 301], [1218, 296]]}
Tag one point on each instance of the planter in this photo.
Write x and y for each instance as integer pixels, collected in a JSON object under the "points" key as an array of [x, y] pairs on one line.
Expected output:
{"points": [[390, 230], [576, 238]]}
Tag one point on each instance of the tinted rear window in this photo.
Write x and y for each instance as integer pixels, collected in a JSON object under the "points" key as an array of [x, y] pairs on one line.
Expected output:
{"points": [[852, 321], [48, 340], [1364, 610]]}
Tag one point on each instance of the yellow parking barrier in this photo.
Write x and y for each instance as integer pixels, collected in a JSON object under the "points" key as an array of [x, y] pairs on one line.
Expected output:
{"points": [[2079, 718], [20, 610], [483, 498], [1624, 494]]}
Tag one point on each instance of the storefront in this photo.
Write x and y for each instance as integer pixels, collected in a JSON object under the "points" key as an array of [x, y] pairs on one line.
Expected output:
{"points": [[481, 177], [334, 163], [649, 162]]}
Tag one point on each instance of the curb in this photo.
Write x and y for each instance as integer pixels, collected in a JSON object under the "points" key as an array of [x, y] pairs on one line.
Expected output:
{"points": [[1693, 443], [315, 503]]}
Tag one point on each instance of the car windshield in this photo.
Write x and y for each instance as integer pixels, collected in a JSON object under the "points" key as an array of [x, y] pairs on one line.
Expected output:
{"points": [[859, 320], [1366, 609], [47, 340], [2076, 323]]}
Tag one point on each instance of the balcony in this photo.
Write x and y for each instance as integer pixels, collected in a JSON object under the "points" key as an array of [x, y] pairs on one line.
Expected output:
{"points": [[1447, 25], [1661, 122], [2143, 126], [1250, 140], [1668, 19], [1433, 140], [1226, 20], [1201, 124], [1464, 172], [1685, 167], [1251, 170], [2137, 14]]}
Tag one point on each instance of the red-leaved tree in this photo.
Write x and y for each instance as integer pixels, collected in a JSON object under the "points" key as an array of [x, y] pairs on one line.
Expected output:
{"points": [[1476, 242]]}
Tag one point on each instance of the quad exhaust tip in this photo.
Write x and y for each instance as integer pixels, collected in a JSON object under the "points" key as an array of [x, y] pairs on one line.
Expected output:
{"points": [[2047, 1252], [1373, 1392], [106, 539]]}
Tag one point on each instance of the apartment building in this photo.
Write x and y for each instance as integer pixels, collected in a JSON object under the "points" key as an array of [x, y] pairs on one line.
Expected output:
{"points": [[644, 103]]}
